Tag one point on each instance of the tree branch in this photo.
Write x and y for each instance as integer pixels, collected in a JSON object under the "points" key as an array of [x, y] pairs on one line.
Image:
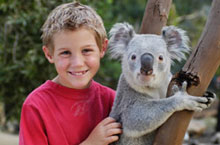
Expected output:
{"points": [[203, 63], [155, 17]]}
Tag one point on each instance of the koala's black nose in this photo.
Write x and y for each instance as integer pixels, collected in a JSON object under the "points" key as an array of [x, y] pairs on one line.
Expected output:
{"points": [[147, 61]]}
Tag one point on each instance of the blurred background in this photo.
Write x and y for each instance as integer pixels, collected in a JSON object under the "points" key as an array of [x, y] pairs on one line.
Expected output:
{"points": [[23, 66]]}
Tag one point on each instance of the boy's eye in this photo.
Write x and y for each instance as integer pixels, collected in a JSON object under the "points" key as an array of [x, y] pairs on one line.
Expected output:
{"points": [[85, 51], [65, 53]]}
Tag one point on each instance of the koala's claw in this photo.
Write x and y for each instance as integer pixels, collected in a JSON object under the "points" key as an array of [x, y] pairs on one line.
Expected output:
{"points": [[210, 96], [184, 86], [175, 89]]}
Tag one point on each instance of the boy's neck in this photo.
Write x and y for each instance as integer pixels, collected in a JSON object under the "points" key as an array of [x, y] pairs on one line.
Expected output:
{"points": [[56, 80]]}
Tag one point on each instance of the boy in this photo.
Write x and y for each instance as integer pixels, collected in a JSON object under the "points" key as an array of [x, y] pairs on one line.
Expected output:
{"points": [[71, 109]]}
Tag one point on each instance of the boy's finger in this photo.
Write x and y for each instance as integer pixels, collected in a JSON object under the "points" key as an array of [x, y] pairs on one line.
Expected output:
{"points": [[108, 120], [113, 125], [112, 139], [114, 131]]}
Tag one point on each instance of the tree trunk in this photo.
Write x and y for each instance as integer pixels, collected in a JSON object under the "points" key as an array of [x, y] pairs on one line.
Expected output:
{"points": [[198, 71], [218, 119], [155, 17]]}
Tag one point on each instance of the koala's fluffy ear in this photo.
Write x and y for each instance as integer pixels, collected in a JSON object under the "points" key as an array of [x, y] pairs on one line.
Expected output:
{"points": [[177, 42], [120, 35]]}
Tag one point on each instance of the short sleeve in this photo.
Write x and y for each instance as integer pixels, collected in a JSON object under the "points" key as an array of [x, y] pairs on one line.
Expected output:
{"points": [[32, 130]]}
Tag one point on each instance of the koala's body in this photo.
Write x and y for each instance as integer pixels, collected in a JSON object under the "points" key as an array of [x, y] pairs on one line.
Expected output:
{"points": [[140, 104]]}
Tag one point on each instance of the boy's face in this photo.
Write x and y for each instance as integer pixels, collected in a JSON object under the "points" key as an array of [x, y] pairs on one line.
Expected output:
{"points": [[76, 57]]}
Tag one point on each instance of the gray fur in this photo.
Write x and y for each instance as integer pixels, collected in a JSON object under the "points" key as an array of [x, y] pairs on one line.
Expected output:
{"points": [[140, 104], [120, 35]]}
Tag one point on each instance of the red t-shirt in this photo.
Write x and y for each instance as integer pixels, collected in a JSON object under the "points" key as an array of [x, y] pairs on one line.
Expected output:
{"points": [[56, 115]]}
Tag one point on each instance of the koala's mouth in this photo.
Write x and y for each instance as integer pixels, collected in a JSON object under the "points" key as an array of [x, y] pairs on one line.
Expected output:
{"points": [[146, 72], [146, 77]]}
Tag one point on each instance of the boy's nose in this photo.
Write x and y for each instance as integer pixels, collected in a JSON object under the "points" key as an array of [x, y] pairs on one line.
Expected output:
{"points": [[77, 60]]}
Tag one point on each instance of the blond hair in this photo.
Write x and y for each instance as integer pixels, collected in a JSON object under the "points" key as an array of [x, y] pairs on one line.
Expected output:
{"points": [[71, 16]]}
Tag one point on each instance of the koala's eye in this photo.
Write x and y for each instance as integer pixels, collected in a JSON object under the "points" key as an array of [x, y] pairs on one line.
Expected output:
{"points": [[133, 57], [161, 58]]}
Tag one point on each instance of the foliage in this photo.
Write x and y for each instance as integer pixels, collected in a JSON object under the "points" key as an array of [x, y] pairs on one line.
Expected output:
{"points": [[23, 66]]}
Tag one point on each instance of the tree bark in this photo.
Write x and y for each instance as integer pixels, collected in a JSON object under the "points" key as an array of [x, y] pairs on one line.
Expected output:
{"points": [[198, 71], [155, 17]]}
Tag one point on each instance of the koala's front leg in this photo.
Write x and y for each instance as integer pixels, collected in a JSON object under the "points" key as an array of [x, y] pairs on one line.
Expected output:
{"points": [[145, 116], [193, 103]]}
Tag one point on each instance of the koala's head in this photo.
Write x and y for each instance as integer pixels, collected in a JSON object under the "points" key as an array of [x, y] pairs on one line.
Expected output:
{"points": [[146, 58]]}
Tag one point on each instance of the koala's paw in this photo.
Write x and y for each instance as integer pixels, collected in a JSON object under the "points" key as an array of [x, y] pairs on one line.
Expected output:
{"points": [[182, 89], [193, 103], [196, 103], [210, 96]]}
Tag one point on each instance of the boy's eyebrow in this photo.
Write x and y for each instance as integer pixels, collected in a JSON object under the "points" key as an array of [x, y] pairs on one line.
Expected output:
{"points": [[87, 45], [62, 48]]}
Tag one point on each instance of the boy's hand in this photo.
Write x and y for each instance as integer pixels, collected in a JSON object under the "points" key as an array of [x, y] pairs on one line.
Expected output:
{"points": [[104, 133]]}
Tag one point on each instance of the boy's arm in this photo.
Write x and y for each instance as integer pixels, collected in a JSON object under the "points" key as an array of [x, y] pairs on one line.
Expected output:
{"points": [[104, 133], [31, 127]]}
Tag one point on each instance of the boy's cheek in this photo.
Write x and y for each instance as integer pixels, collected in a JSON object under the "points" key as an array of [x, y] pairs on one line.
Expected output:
{"points": [[94, 60], [60, 64]]}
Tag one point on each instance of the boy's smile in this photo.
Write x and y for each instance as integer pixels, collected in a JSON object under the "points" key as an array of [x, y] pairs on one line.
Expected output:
{"points": [[78, 73], [76, 57]]}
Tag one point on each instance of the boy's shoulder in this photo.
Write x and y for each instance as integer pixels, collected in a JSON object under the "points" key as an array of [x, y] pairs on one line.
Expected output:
{"points": [[39, 93], [105, 94], [103, 88]]}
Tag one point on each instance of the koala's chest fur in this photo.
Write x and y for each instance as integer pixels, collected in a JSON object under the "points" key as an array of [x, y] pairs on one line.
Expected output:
{"points": [[130, 109]]}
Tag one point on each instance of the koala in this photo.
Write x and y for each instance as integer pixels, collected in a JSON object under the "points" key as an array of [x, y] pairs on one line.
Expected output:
{"points": [[141, 105]]}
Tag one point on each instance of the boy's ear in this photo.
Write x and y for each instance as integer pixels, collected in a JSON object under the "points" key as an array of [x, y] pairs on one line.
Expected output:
{"points": [[47, 54], [104, 48]]}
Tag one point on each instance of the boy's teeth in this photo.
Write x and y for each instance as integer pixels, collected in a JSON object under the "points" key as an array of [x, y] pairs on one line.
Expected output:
{"points": [[78, 73]]}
